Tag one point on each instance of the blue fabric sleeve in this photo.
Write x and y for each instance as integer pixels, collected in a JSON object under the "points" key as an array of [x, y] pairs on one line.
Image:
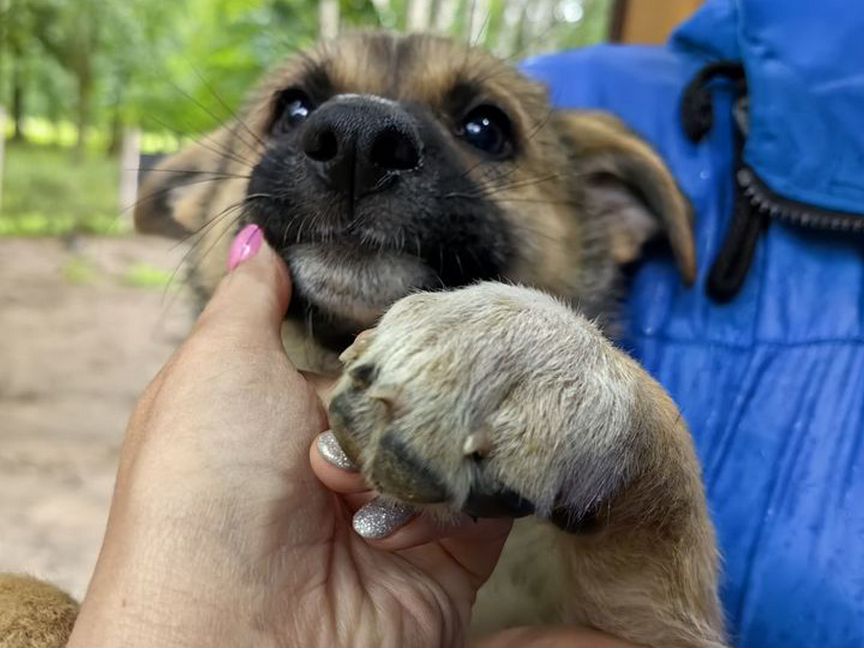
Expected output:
{"points": [[772, 384]]}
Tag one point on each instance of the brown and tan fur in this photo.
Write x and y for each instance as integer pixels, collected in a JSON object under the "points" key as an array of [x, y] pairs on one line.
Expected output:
{"points": [[33, 613], [581, 424], [646, 568], [555, 248]]}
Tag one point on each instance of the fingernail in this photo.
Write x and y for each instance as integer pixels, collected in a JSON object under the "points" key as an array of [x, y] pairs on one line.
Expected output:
{"points": [[246, 245], [379, 519], [330, 449]]}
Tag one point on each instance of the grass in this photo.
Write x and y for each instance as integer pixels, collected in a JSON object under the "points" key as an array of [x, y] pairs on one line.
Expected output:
{"points": [[48, 192], [79, 271], [63, 134], [142, 275]]}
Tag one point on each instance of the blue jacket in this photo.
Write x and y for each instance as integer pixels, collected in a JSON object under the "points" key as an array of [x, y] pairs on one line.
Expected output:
{"points": [[771, 382]]}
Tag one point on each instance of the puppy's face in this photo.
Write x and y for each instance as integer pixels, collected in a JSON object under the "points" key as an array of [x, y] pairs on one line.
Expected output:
{"points": [[383, 164]]}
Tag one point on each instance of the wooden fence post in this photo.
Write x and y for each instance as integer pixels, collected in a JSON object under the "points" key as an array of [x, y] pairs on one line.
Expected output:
{"points": [[478, 19], [419, 15], [328, 18]]}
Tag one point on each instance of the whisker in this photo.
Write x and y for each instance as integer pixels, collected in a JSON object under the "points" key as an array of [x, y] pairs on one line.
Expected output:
{"points": [[206, 141], [540, 201], [459, 263], [206, 111], [212, 222], [216, 174], [201, 233], [515, 167], [226, 107], [494, 190], [529, 182], [535, 231], [234, 221], [153, 195]]}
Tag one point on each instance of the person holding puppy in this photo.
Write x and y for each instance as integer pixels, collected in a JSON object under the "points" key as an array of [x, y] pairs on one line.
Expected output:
{"points": [[223, 532]]}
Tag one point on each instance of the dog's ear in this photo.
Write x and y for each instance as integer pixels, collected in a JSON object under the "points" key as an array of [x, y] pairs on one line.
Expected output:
{"points": [[628, 183], [173, 194]]}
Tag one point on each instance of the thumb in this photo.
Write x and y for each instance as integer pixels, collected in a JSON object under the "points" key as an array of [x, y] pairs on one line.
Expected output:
{"points": [[253, 297]]}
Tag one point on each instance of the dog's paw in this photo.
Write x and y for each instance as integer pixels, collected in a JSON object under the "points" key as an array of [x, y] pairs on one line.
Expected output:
{"points": [[494, 399]]}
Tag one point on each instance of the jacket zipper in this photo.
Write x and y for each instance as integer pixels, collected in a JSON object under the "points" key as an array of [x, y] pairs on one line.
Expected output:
{"points": [[795, 213]]}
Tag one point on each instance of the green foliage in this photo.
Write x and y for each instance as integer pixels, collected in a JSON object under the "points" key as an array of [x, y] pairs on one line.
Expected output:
{"points": [[143, 275], [593, 27], [47, 192], [77, 71], [182, 66], [79, 271], [198, 74]]}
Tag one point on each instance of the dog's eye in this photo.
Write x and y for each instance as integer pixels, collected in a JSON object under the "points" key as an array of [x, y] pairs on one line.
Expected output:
{"points": [[487, 128], [292, 107]]}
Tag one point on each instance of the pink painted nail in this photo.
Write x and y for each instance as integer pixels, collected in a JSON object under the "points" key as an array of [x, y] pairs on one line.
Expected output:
{"points": [[246, 245]]}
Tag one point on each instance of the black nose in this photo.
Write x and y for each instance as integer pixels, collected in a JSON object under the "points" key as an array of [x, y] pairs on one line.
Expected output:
{"points": [[360, 145]]}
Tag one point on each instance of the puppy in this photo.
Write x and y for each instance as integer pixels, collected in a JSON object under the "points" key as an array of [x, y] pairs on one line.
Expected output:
{"points": [[413, 185], [427, 193]]}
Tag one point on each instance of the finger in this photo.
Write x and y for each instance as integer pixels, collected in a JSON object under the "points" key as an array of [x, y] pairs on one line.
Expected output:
{"points": [[473, 546], [395, 527], [333, 467], [388, 525], [252, 299], [471, 552]]}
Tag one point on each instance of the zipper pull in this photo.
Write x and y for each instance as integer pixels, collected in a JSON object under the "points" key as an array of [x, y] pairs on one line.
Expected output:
{"points": [[732, 263]]}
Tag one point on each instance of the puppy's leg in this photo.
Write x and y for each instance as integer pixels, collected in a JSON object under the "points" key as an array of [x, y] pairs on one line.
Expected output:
{"points": [[499, 400]]}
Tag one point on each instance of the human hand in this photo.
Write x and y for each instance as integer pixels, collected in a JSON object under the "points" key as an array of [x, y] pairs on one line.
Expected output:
{"points": [[220, 533], [337, 472]]}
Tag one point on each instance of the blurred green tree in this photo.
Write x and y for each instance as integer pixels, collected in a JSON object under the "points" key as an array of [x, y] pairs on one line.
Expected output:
{"points": [[79, 73], [180, 67]]}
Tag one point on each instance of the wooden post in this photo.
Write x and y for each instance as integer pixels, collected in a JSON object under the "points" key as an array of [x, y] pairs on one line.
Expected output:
{"points": [[647, 22], [478, 21], [445, 15], [419, 15], [382, 8], [2, 150], [130, 156], [515, 17], [328, 18]]}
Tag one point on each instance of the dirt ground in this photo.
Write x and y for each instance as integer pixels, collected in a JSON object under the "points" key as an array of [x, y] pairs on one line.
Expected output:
{"points": [[79, 340]]}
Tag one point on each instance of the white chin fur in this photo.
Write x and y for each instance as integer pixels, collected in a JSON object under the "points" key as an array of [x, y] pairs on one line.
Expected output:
{"points": [[353, 283]]}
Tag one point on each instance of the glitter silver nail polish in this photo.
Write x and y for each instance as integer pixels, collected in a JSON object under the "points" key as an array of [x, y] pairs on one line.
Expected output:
{"points": [[379, 518], [330, 449]]}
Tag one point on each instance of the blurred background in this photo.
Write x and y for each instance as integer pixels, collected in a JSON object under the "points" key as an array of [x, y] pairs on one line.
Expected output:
{"points": [[91, 93], [77, 77]]}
